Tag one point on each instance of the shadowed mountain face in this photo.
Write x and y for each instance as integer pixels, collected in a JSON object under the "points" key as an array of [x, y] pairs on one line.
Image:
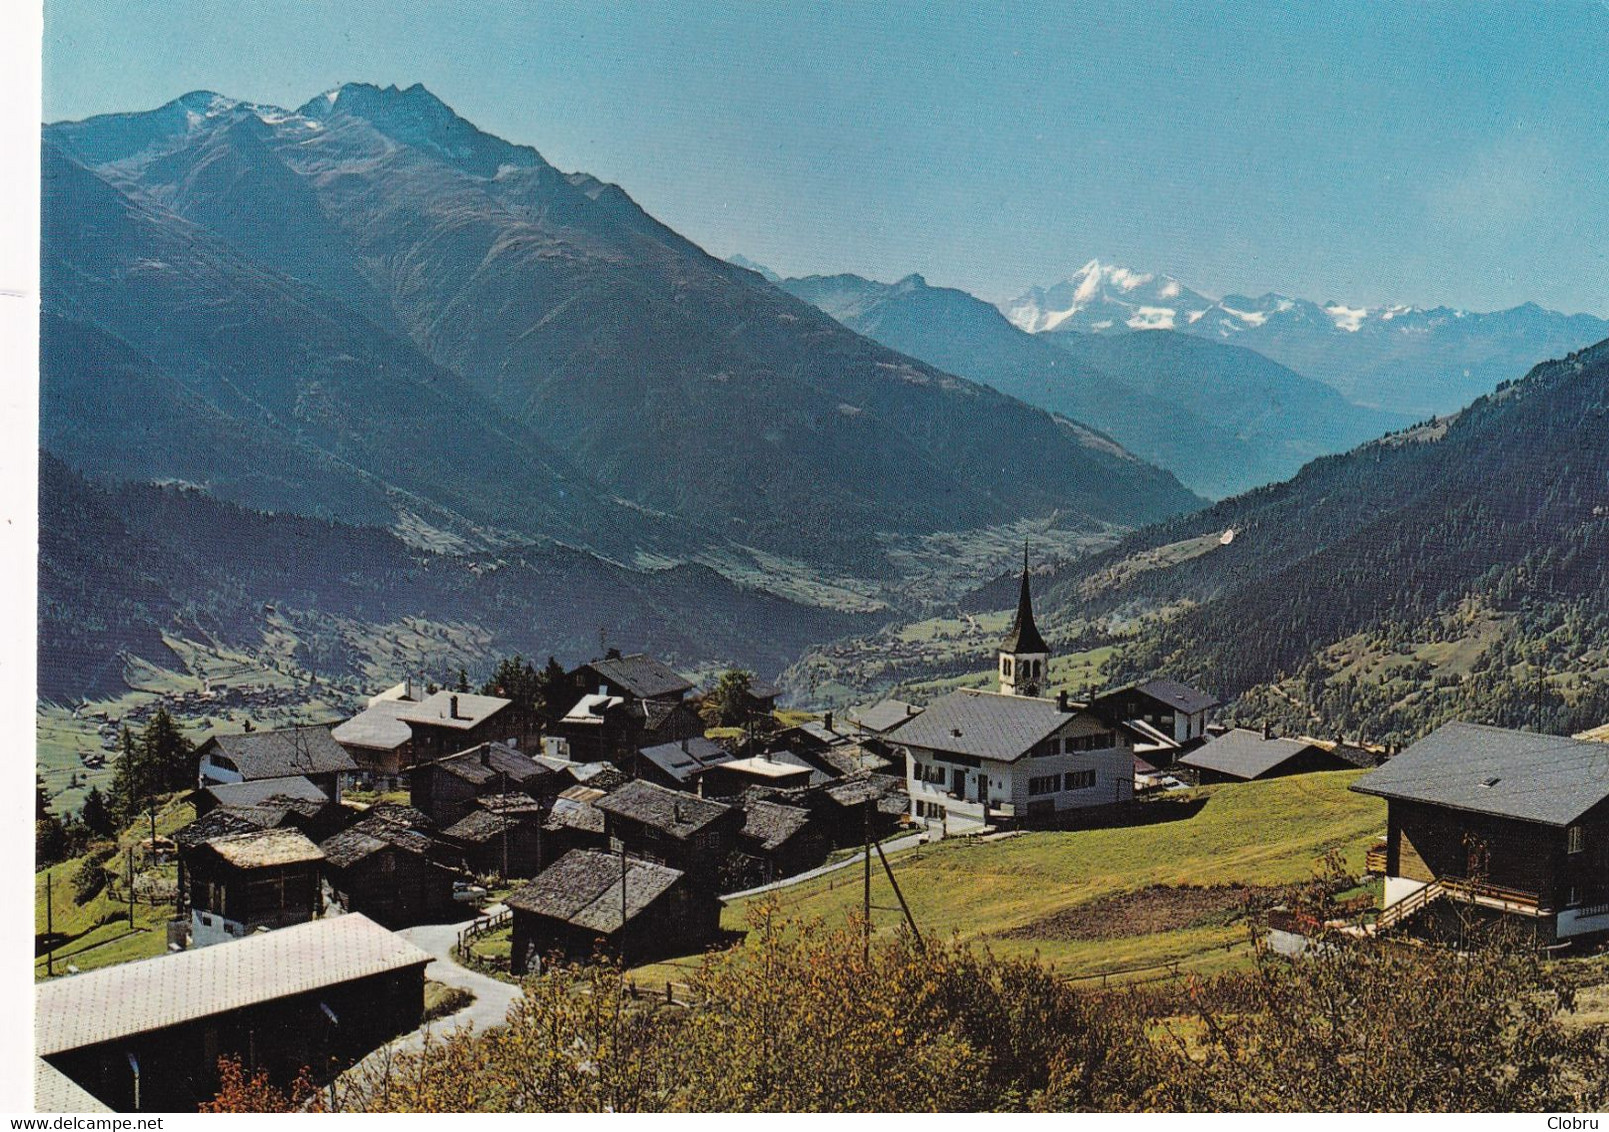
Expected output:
{"points": [[1221, 418], [1503, 507], [369, 313], [373, 265]]}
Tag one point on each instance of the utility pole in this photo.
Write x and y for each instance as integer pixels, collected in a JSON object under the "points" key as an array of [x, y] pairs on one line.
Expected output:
{"points": [[866, 884], [502, 818], [131, 888], [50, 930], [623, 903]]}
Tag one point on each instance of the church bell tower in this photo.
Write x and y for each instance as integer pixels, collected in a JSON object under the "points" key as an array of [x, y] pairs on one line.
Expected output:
{"points": [[1024, 656]]}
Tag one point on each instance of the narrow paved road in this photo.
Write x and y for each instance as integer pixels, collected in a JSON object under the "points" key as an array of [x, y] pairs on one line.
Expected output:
{"points": [[910, 842], [493, 997]]}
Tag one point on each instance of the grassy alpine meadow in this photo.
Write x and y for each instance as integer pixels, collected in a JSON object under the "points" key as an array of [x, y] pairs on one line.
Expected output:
{"points": [[1164, 893]]}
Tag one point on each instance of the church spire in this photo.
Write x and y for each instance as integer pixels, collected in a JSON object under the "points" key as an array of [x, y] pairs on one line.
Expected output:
{"points": [[1024, 634], [1024, 656]]}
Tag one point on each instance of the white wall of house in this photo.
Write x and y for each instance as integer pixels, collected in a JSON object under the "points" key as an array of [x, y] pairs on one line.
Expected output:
{"points": [[1188, 727], [212, 772], [208, 928], [1083, 777]]}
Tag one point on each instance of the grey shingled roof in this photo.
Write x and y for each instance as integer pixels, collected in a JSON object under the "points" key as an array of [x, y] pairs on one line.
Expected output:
{"points": [[660, 808], [437, 710], [482, 764], [641, 675], [990, 725], [153, 994], [221, 822], [379, 727], [864, 788], [1243, 753], [583, 888], [1180, 697], [772, 824], [884, 715], [687, 758], [480, 826], [1546, 779], [370, 836], [261, 789], [285, 753]]}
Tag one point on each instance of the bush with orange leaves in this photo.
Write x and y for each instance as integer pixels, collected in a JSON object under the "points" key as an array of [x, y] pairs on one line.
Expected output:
{"points": [[800, 1018]]}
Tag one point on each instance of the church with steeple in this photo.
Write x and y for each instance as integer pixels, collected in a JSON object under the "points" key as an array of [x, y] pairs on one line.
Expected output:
{"points": [[1024, 656]]}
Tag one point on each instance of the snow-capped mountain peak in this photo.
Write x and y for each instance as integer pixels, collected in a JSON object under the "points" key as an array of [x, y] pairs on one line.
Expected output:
{"points": [[1117, 298], [1411, 358]]}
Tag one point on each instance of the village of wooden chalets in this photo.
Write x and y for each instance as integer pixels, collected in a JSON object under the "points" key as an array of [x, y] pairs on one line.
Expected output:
{"points": [[326, 894]]}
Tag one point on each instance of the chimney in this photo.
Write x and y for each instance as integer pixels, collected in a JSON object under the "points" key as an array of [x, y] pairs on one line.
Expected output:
{"points": [[1061, 700], [678, 813], [452, 708], [1268, 731], [826, 721]]}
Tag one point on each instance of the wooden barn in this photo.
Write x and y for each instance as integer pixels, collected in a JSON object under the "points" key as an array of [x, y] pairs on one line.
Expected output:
{"points": [[777, 841], [446, 789], [390, 873], [634, 909], [1243, 755], [502, 836], [240, 882], [146, 1036], [693, 835]]}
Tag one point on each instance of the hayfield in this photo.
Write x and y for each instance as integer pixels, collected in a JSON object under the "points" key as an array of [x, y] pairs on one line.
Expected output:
{"points": [[1008, 894]]}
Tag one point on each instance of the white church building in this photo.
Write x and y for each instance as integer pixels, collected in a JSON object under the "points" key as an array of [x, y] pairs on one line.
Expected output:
{"points": [[980, 758]]}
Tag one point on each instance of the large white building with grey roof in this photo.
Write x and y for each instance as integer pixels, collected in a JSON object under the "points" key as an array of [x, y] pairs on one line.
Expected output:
{"points": [[979, 758]]}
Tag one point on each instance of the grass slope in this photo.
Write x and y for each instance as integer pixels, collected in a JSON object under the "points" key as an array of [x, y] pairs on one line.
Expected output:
{"points": [[1260, 833]]}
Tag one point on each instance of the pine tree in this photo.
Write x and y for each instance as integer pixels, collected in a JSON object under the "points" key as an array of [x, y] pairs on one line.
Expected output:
{"points": [[96, 815]]}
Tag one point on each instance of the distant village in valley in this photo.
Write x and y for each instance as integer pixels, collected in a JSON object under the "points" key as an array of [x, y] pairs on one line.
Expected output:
{"points": [[321, 891]]}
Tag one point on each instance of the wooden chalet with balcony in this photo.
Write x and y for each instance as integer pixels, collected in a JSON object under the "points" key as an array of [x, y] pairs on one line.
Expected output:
{"points": [[1506, 823]]}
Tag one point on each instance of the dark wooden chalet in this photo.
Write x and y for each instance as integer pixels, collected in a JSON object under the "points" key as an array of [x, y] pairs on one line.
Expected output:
{"points": [[635, 909], [390, 873], [258, 878], [1511, 823], [446, 789], [274, 803], [600, 728], [447, 722], [681, 765], [693, 835], [634, 677], [307, 752], [1177, 710], [147, 1036], [503, 836], [1243, 755], [776, 841], [574, 822]]}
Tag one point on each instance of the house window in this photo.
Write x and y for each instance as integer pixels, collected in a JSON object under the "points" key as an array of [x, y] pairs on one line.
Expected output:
{"points": [[1005, 666], [1044, 784], [1079, 780], [925, 773], [1099, 741], [1576, 839]]}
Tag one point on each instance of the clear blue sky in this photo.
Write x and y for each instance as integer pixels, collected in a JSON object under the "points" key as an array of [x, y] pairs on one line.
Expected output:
{"points": [[1361, 152]]}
